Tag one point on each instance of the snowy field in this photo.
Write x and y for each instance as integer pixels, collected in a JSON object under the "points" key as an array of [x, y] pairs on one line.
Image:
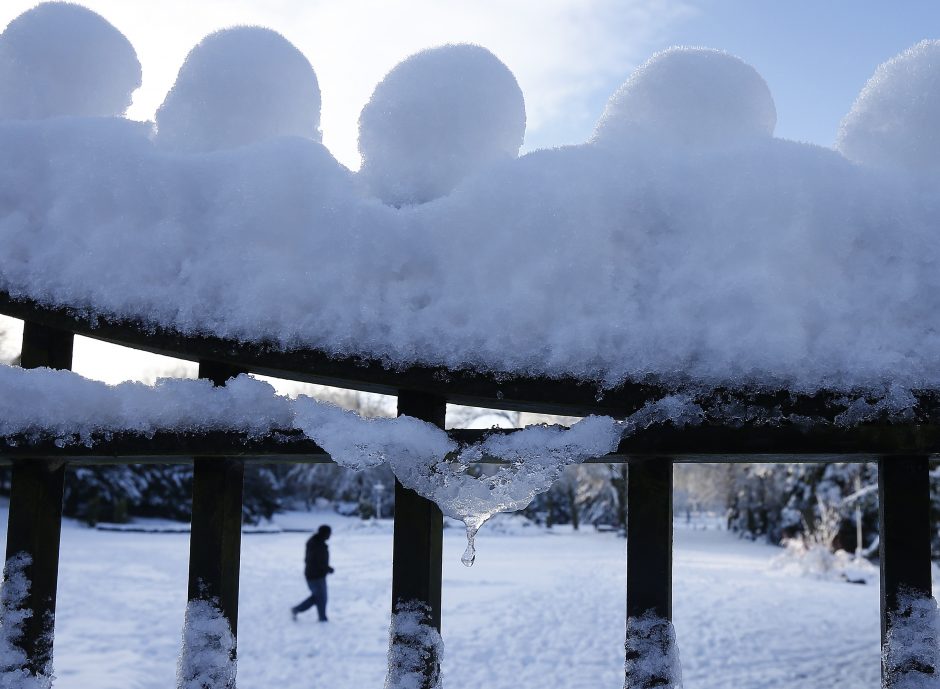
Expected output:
{"points": [[539, 610]]}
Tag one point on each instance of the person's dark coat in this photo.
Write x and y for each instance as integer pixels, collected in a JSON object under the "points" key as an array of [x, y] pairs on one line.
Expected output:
{"points": [[318, 558]]}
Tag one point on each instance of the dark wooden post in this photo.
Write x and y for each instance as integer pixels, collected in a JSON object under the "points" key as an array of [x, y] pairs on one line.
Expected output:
{"points": [[35, 518], [418, 537], [649, 537], [34, 527], [649, 560], [904, 515], [47, 347], [215, 538]]}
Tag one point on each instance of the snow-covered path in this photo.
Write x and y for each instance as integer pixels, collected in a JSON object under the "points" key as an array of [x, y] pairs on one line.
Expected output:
{"points": [[539, 610]]}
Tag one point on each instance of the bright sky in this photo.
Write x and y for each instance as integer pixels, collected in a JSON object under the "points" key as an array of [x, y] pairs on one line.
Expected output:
{"points": [[561, 51], [568, 55]]}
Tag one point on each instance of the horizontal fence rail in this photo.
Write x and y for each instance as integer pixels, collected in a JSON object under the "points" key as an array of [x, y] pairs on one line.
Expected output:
{"points": [[473, 388], [491, 389], [682, 445]]}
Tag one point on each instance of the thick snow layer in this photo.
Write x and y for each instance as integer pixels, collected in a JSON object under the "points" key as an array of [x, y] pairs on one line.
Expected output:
{"points": [[66, 406], [437, 117], [14, 672], [746, 261], [893, 121], [239, 86], [413, 644], [912, 649], [207, 658], [652, 659], [690, 99], [63, 59]]}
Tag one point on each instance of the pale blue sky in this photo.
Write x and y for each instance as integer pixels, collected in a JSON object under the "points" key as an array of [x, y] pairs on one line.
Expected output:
{"points": [[816, 55]]}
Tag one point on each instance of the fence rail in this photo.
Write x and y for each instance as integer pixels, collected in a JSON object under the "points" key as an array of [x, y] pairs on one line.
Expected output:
{"points": [[691, 444], [491, 389], [902, 450]]}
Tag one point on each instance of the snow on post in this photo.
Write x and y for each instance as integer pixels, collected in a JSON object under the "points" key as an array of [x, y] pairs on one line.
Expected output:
{"points": [[652, 658], [207, 658], [893, 122], [415, 649], [239, 86], [690, 98], [62, 59], [14, 669], [911, 655], [436, 118]]}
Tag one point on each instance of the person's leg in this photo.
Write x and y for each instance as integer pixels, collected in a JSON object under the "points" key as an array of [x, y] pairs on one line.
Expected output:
{"points": [[318, 587], [310, 601]]}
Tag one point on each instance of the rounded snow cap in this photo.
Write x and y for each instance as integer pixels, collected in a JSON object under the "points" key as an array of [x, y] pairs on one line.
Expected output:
{"points": [[63, 59], [437, 117], [893, 122], [692, 98], [239, 86]]}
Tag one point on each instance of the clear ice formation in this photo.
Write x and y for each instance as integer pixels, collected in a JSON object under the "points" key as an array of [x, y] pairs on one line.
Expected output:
{"points": [[531, 460]]}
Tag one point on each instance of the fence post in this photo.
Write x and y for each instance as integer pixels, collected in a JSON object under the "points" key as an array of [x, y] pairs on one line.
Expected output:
{"points": [[418, 543], [216, 531], [35, 518], [904, 517], [649, 564]]}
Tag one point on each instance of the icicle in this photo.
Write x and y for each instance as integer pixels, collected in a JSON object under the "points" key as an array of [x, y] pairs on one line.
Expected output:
{"points": [[470, 554]]}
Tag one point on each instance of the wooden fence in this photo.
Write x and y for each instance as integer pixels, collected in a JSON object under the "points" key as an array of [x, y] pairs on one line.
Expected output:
{"points": [[901, 450]]}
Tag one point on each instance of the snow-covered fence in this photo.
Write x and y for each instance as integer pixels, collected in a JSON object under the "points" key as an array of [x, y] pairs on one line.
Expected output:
{"points": [[650, 449], [729, 294]]}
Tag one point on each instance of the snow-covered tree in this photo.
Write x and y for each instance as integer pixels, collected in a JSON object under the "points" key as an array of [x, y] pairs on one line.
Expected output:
{"points": [[814, 501]]}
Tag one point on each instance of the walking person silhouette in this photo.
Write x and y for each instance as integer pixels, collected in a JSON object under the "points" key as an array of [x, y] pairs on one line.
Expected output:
{"points": [[315, 571]]}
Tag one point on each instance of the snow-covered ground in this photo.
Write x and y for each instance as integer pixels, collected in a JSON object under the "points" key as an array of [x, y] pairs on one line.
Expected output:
{"points": [[539, 610]]}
